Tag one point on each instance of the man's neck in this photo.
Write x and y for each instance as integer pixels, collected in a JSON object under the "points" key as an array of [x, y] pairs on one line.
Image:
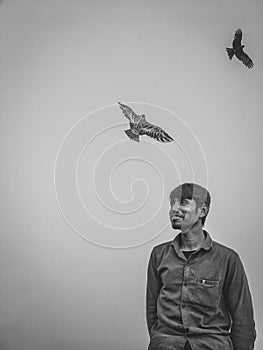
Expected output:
{"points": [[192, 239]]}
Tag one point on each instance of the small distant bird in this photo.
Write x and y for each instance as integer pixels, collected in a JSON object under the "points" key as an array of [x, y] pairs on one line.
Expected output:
{"points": [[139, 126], [238, 50]]}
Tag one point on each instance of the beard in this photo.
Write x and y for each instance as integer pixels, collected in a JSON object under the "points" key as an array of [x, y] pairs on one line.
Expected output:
{"points": [[176, 224]]}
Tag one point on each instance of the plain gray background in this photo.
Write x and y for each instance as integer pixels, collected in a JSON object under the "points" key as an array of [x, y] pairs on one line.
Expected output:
{"points": [[60, 61]]}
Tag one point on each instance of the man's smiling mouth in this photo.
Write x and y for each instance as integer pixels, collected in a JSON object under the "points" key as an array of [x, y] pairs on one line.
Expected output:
{"points": [[176, 217]]}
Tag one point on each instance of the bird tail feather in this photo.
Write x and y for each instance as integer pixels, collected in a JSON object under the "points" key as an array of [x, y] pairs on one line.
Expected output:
{"points": [[166, 138], [230, 52], [132, 135]]}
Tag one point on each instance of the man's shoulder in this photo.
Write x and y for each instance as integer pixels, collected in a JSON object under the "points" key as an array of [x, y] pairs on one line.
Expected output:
{"points": [[162, 246], [228, 251]]}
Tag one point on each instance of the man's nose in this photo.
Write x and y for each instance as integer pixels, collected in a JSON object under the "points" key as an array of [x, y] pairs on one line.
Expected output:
{"points": [[175, 208]]}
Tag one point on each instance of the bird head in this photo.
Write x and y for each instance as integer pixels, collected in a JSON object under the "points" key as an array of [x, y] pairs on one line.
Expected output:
{"points": [[143, 116]]}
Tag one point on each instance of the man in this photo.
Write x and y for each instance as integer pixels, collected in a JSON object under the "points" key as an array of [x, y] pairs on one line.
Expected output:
{"points": [[197, 292]]}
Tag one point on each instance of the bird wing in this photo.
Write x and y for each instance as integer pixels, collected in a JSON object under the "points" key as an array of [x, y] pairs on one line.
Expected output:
{"points": [[154, 131], [129, 113], [242, 56], [237, 39]]}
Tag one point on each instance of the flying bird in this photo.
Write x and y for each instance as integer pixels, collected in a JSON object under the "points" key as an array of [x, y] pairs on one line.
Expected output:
{"points": [[238, 51], [139, 126]]}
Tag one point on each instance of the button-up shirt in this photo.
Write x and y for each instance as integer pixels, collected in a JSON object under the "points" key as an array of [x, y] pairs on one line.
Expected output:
{"points": [[204, 299]]}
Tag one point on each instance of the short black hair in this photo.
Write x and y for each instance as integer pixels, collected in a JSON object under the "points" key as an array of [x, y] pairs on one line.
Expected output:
{"points": [[193, 191]]}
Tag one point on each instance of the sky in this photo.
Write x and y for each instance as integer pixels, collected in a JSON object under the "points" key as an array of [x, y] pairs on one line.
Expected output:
{"points": [[83, 205]]}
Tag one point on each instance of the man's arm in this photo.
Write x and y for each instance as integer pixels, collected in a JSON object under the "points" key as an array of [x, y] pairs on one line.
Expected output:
{"points": [[239, 302], [152, 292]]}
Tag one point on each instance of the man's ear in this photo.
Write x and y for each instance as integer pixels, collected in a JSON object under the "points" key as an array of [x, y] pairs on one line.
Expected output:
{"points": [[204, 210]]}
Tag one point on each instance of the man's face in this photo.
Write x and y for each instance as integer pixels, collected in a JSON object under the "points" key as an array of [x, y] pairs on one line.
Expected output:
{"points": [[184, 213]]}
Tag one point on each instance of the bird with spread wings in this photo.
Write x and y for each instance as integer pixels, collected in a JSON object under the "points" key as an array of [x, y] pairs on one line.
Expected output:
{"points": [[139, 126], [238, 51]]}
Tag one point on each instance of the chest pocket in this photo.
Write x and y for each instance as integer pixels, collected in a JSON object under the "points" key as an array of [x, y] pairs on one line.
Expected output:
{"points": [[204, 292]]}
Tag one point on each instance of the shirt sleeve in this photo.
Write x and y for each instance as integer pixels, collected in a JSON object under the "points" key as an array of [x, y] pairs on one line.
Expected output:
{"points": [[239, 302], [152, 291]]}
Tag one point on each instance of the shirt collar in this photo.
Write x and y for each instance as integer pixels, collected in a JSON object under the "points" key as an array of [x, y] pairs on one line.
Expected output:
{"points": [[206, 245]]}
